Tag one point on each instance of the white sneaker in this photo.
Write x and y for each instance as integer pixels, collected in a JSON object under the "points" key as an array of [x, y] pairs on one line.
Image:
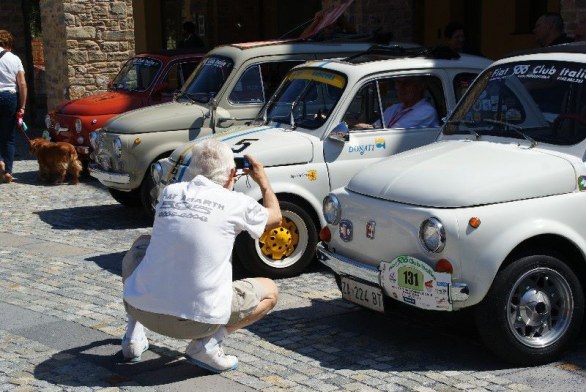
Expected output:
{"points": [[208, 353], [133, 349]]}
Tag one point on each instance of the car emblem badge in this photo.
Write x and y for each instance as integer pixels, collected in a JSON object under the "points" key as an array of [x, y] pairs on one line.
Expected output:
{"points": [[370, 226], [345, 230]]}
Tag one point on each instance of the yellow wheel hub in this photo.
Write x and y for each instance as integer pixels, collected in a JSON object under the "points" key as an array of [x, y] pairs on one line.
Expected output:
{"points": [[281, 241]]}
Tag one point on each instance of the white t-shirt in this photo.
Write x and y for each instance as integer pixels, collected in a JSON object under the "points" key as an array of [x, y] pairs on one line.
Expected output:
{"points": [[187, 268], [10, 65]]}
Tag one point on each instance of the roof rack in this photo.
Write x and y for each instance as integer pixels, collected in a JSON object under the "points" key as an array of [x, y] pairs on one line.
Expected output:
{"points": [[381, 52]]}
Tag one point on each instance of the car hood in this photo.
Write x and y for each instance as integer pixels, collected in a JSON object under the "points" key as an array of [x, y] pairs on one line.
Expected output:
{"points": [[271, 146], [111, 102], [169, 116], [463, 173]]}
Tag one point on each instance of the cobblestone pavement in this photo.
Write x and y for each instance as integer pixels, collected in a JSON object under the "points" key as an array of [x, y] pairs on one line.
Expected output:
{"points": [[62, 318]]}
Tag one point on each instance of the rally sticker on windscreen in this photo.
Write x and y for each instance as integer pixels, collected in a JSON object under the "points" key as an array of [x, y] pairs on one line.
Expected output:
{"points": [[145, 61], [216, 62], [542, 70], [319, 75]]}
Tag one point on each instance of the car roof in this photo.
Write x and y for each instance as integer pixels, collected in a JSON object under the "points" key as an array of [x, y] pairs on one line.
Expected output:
{"points": [[174, 53], [575, 51], [277, 47], [381, 59], [572, 47]]}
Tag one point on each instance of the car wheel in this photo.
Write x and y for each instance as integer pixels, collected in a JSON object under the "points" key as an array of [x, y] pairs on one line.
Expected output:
{"points": [[532, 311], [284, 251], [128, 199], [148, 195]]}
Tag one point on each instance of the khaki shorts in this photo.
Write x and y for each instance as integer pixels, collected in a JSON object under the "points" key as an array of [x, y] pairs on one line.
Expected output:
{"points": [[246, 295]]}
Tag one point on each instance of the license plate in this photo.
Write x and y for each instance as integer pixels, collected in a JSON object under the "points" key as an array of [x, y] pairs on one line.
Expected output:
{"points": [[362, 294], [413, 282]]}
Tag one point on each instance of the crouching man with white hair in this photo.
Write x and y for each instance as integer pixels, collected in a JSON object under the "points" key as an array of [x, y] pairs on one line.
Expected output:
{"points": [[183, 287]]}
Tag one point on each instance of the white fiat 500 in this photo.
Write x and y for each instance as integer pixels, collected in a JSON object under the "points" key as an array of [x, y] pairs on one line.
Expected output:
{"points": [[490, 216], [303, 140]]}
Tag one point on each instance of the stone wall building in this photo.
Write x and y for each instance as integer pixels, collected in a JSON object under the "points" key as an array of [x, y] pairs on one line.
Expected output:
{"points": [[84, 45]]}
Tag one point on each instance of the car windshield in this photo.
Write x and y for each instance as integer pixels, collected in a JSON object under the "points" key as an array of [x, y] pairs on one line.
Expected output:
{"points": [[541, 101], [208, 79], [306, 98], [137, 74]]}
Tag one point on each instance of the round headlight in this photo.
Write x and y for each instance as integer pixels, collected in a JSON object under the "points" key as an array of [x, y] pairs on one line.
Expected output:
{"points": [[77, 125], [94, 139], [157, 172], [432, 235], [332, 209], [117, 147], [48, 121]]}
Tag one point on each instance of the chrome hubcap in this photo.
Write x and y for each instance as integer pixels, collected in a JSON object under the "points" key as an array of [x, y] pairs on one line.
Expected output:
{"points": [[540, 307]]}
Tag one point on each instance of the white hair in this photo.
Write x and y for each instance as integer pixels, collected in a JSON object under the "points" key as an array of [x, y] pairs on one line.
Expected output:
{"points": [[213, 160]]}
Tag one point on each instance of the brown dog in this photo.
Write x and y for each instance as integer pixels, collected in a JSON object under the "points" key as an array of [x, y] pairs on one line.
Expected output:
{"points": [[56, 160]]}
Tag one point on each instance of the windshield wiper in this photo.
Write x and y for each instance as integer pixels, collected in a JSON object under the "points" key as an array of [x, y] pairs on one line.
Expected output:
{"points": [[519, 130], [468, 123]]}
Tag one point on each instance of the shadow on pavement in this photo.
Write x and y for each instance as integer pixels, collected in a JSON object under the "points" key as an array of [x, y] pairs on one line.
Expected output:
{"points": [[405, 339], [100, 217], [111, 262], [69, 367]]}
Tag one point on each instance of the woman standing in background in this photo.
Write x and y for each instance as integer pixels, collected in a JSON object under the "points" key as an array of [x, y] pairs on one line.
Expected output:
{"points": [[12, 102]]}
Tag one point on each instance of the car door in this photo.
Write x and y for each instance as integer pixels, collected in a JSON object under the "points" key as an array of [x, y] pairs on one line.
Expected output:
{"points": [[368, 145]]}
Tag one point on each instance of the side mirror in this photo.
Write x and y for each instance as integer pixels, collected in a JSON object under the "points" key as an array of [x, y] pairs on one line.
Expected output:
{"points": [[340, 132]]}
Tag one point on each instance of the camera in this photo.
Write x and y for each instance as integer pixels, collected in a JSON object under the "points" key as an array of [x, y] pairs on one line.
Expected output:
{"points": [[242, 163]]}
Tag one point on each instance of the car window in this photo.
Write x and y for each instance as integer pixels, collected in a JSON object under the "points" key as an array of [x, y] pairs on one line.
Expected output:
{"points": [[306, 98], [248, 88], [368, 107], [540, 100], [137, 74], [208, 78], [461, 83], [172, 79], [273, 73], [259, 82]]}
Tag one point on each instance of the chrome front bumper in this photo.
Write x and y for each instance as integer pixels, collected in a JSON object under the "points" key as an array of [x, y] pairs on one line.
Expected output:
{"points": [[344, 266], [458, 292], [104, 176]]}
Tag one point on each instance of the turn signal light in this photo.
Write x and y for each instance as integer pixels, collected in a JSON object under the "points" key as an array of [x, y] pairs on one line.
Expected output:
{"points": [[325, 234], [444, 265], [474, 222], [137, 140]]}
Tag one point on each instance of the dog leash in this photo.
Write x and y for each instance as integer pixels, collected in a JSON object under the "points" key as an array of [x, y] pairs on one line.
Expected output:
{"points": [[21, 128]]}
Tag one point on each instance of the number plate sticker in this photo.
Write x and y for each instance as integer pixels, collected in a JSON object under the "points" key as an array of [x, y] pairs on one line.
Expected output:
{"points": [[362, 294], [413, 282]]}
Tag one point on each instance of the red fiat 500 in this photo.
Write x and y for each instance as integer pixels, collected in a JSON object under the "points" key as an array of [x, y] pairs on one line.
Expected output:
{"points": [[145, 79]]}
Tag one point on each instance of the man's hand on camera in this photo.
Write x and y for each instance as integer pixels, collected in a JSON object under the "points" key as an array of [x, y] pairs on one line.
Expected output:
{"points": [[256, 171]]}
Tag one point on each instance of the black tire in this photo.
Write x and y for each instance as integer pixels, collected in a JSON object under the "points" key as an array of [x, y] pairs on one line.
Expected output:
{"points": [[128, 199], [301, 225], [532, 312], [147, 198]]}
